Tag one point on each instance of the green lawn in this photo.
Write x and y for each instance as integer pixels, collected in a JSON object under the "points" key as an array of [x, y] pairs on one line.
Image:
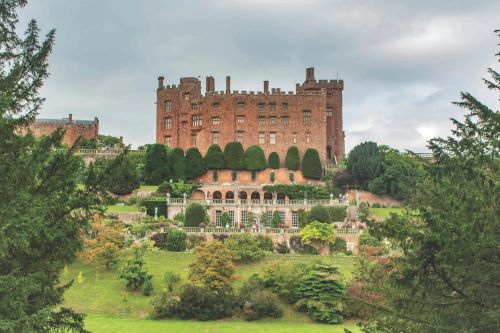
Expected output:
{"points": [[106, 324], [122, 209], [99, 293], [386, 212], [148, 188]]}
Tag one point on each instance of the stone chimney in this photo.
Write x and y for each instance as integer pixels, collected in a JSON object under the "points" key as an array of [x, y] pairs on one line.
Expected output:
{"points": [[266, 87], [310, 74], [228, 85], [297, 88], [160, 82]]}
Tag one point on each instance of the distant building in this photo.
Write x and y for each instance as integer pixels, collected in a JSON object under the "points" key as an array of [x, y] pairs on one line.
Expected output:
{"points": [[89, 129], [310, 117]]}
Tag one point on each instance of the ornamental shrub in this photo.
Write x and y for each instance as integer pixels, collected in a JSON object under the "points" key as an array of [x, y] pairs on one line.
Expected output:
{"points": [[214, 158], [195, 163], [316, 233], [254, 158], [152, 204], [264, 242], [195, 214], [367, 239], [156, 166], [159, 239], [339, 245], [318, 213], [245, 247], [282, 247], [121, 175], [134, 273], [233, 155], [193, 240], [203, 303], [177, 163], [292, 160], [175, 240], [148, 286], [261, 304], [275, 223], [337, 213], [274, 160], [165, 305], [311, 164], [225, 219], [296, 191]]}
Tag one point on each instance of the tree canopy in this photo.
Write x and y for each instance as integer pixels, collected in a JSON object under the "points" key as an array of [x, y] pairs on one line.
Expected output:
{"points": [[233, 155], [311, 164], [156, 168], [195, 163], [292, 160], [254, 158], [215, 157], [365, 163], [274, 160], [177, 164]]}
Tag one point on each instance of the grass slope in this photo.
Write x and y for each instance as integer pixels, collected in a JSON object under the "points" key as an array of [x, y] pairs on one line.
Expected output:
{"points": [[122, 209], [106, 324], [385, 212]]}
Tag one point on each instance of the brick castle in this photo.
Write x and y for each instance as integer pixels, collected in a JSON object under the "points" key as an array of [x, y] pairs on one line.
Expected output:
{"points": [[89, 129], [310, 117]]}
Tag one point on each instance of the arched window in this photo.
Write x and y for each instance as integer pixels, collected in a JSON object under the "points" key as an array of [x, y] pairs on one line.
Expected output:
{"points": [[217, 195], [280, 196], [255, 195], [268, 196], [242, 195], [229, 195]]}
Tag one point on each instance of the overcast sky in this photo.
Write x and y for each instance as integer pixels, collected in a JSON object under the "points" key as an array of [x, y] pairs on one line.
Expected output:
{"points": [[402, 62]]}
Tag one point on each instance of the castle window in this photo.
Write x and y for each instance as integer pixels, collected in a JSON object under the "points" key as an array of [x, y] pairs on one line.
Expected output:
{"points": [[168, 122], [216, 107], [272, 138], [307, 117], [168, 141], [284, 107], [194, 106], [168, 106], [186, 97], [244, 215], [262, 121], [262, 138], [269, 217], [294, 138], [215, 120], [215, 137], [239, 137], [261, 108], [240, 119], [241, 106], [308, 137], [193, 140], [272, 108], [272, 120], [295, 219], [282, 217], [329, 112], [196, 120], [218, 220], [184, 124], [231, 215], [284, 120]]}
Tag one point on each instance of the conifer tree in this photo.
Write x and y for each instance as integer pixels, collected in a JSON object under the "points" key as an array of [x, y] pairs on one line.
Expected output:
{"points": [[177, 164], [233, 155], [195, 163], [311, 164], [254, 158], [292, 160], [215, 158], [274, 160], [156, 165]]}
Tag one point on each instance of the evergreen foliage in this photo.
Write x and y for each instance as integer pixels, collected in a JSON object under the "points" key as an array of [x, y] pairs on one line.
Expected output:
{"points": [[297, 191], [275, 222], [311, 164], [134, 273], [156, 165], [215, 158], [195, 163], [254, 158], [365, 163], [121, 175], [233, 156], [195, 214], [177, 164], [318, 213], [245, 247], [176, 241], [292, 160], [274, 160], [204, 303]]}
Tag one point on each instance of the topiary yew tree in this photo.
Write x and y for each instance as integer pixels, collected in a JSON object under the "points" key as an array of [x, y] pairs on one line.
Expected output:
{"points": [[195, 214], [215, 157], [274, 160], [311, 164], [177, 164], [233, 155], [156, 167], [365, 163], [254, 158], [318, 213], [195, 163], [121, 175], [292, 160]]}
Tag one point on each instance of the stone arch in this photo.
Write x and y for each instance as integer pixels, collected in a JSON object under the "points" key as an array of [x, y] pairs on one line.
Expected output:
{"points": [[242, 195], [198, 195], [229, 195], [280, 196], [255, 195], [217, 195], [268, 196]]}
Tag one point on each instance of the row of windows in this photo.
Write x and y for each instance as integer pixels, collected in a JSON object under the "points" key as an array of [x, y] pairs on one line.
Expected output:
{"points": [[240, 138], [244, 216]]}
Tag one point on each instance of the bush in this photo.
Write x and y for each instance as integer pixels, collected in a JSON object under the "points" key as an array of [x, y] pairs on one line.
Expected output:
{"points": [[212, 266], [261, 304], [297, 246], [134, 274], [177, 163], [337, 213], [311, 164], [365, 163], [151, 204], [254, 175], [376, 205], [220, 237], [202, 303], [233, 155], [171, 280], [282, 247], [245, 247], [318, 213], [176, 240], [284, 276], [193, 240], [264, 242], [275, 223], [214, 158], [274, 160], [225, 219], [165, 305], [121, 175], [292, 160], [367, 239], [254, 158], [159, 239], [339, 245], [148, 286], [156, 165], [296, 191], [196, 165], [195, 214]]}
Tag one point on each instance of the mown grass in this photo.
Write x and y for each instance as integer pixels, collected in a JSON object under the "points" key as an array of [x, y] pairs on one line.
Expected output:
{"points": [[122, 209], [148, 188], [386, 212], [97, 291], [107, 324]]}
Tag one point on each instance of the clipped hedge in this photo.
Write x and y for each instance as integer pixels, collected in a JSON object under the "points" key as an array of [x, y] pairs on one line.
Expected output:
{"points": [[175, 240], [233, 155], [292, 160], [177, 163], [215, 157], [311, 164], [254, 158], [274, 160], [195, 163], [195, 214], [151, 204]]}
